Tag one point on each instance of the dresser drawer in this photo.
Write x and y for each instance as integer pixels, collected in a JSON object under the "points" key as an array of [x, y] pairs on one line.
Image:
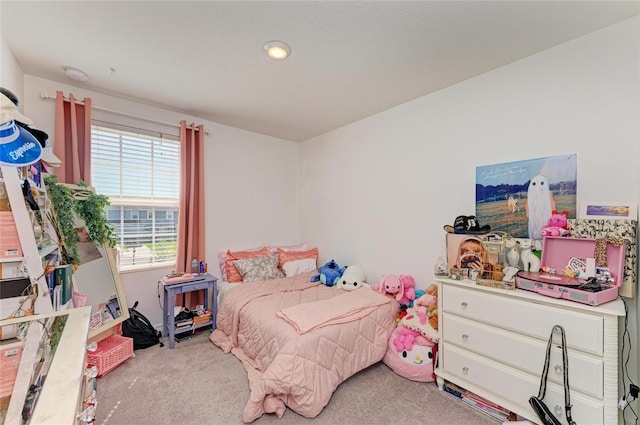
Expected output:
{"points": [[522, 352], [583, 331], [517, 386]]}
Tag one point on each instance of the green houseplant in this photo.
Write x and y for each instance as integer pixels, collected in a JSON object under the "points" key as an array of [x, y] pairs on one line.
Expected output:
{"points": [[70, 200]]}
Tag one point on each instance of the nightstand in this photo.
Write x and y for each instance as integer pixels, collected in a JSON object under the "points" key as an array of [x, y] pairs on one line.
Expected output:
{"points": [[202, 281]]}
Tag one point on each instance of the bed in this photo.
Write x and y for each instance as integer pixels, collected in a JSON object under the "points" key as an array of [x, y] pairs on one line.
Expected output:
{"points": [[298, 340]]}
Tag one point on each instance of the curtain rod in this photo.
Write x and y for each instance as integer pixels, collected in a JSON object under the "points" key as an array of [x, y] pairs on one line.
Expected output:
{"points": [[45, 96]]}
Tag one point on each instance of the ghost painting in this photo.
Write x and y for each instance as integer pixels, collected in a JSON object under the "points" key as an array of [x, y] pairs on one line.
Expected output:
{"points": [[540, 203], [517, 197]]}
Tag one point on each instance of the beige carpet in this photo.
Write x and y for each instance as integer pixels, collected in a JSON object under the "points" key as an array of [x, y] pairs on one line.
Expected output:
{"points": [[196, 383]]}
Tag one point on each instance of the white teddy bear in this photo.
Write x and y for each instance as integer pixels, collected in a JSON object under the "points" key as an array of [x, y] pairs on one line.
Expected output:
{"points": [[352, 279]]}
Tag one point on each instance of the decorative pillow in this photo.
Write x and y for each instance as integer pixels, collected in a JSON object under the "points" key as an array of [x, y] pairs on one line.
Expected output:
{"points": [[259, 268], [286, 256], [233, 275], [292, 268], [301, 247]]}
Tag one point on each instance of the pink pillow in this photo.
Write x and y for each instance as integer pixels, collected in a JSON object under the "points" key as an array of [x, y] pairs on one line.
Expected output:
{"points": [[290, 248], [233, 275], [222, 261], [285, 256]]}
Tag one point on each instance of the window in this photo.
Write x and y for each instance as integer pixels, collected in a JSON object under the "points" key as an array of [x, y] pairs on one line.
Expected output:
{"points": [[140, 175]]}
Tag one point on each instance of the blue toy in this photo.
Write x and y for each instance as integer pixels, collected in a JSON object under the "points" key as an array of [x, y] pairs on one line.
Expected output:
{"points": [[330, 273]]}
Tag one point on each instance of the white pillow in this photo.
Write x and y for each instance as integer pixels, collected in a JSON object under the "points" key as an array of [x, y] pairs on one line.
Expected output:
{"points": [[292, 268]]}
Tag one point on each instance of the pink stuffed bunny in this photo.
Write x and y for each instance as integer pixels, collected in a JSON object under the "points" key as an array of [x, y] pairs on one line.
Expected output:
{"points": [[421, 304], [407, 291], [390, 285]]}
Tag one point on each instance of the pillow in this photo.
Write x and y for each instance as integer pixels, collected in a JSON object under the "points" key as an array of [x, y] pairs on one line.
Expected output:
{"points": [[290, 248], [286, 256], [259, 268], [233, 275], [304, 265]]}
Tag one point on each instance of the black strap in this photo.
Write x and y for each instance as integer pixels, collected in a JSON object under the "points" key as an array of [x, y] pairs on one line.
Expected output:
{"points": [[565, 368]]}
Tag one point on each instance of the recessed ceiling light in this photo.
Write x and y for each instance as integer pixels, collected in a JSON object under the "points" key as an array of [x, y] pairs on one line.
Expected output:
{"points": [[277, 50], [75, 74]]}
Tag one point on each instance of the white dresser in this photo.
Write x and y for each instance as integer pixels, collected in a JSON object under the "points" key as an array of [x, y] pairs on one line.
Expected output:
{"points": [[493, 343]]}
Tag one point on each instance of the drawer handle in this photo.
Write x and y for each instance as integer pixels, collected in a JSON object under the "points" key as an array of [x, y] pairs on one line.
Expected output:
{"points": [[465, 337], [464, 305], [558, 369], [558, 409], [465, 370]]}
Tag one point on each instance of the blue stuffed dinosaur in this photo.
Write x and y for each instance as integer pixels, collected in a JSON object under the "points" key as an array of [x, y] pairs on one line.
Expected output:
{"points": [[330, 273]]}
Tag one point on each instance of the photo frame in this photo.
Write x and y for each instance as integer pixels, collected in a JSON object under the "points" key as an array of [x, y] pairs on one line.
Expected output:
{"points": [[518, 197], [608, 210]]}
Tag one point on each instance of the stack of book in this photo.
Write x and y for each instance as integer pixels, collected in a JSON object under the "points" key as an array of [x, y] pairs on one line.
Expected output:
{"points": [[180, 324], [481, 404]]}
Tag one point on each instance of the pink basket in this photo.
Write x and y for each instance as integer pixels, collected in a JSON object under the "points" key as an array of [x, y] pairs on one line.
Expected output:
{"points": [[112, 351]]}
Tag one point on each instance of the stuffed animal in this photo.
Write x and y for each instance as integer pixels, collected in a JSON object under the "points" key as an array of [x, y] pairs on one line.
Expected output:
{"points": [[428, 303], [411, 355], [389, 285], [408, 290], [557, 225], [353, 278], [330, 273], [412, 347], [498, 273]]}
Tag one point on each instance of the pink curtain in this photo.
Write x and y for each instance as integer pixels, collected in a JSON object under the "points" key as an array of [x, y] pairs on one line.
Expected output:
{"points": [[72, 142], [191, 229]]}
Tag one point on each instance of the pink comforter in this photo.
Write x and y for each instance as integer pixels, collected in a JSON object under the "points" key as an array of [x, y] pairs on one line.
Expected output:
{"points": [[296, 355]]}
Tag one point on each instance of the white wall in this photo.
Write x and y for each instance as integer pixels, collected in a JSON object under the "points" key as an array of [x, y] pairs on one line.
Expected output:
{"points": [[251, 194], [377, 192], [10, 71]]}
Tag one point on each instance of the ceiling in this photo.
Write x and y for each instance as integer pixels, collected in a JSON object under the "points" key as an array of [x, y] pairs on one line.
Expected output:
{"points": [[350, 59]]}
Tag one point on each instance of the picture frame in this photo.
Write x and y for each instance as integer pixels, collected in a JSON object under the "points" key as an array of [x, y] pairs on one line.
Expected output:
{"points": [[518, 197], [608, 210]]}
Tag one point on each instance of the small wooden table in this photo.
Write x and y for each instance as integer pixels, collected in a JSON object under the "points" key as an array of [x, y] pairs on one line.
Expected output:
{"points": [[202, 281]]}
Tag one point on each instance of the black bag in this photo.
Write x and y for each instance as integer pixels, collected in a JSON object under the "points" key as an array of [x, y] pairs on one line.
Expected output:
{"points": [[138, 327], [538, 406]]}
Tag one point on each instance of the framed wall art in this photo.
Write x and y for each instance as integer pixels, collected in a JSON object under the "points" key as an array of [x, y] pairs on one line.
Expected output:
{"points": [[608, 210], [517, 197]]}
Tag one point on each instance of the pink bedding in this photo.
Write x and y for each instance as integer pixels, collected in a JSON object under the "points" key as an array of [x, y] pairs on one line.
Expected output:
{"points": [[296, 355]]}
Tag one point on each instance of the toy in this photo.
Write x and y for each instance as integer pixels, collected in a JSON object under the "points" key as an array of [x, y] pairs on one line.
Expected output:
{"points": [[412, 347], [352, 279], [407, 292], [330, 273], [530, 261], [557, 225], [402, 288], [498, 273], [389, 285], [428, 303], [410, 355], [513, 255]]}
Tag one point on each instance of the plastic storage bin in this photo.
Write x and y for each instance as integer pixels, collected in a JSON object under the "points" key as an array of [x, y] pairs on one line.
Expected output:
{"points": [[112, 351]]}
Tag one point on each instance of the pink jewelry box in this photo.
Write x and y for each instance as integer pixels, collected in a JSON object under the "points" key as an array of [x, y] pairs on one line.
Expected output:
{"points": [[556, 253]]}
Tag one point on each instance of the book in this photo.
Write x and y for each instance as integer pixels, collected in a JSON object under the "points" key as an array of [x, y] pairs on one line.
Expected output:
{"points": [[486, 402], [63, 278], [500, 416]]}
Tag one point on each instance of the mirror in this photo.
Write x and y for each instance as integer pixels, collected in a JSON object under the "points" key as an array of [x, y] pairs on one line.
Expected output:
{"points": [[97, 278], [80, 222]]}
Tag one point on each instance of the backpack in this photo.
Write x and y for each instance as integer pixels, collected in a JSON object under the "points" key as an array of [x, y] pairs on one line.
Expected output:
{"points": [[138, 327]]}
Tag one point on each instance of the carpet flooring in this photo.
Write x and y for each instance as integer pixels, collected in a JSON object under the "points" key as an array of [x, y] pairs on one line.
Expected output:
{"points": [[196, 383]]}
